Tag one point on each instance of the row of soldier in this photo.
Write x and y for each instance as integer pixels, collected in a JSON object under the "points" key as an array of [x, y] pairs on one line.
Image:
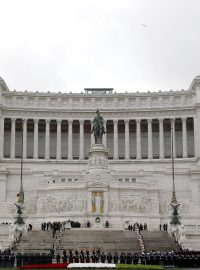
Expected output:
{"points": [[179, 259], [9, 260]]}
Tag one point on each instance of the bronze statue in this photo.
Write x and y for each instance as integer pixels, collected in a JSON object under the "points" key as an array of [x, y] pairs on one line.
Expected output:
{"points": [[19, 220], [19, 209], [98, 128]]}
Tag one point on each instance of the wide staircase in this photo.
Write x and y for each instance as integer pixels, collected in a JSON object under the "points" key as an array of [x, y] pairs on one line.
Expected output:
{"points": [[36, 241], [158, 241], [108, 240]]}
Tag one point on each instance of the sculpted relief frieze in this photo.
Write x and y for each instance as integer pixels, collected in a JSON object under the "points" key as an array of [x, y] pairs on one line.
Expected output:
{"points": [[139, 204], [114, 204], [61, 204], [107, 115], [31, 204], [153, 100]]}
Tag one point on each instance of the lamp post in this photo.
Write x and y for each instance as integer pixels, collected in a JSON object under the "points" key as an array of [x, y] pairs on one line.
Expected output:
{"points": [[174, 204]]}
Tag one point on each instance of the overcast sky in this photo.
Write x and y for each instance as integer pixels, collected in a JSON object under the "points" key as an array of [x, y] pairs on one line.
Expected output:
{"points": [[131, 45]]}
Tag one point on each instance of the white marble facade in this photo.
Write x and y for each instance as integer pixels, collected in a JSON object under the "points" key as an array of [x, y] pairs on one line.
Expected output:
{"points": [[127, 180]]}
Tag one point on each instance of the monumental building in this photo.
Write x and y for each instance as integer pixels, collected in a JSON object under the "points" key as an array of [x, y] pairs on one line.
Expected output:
{"points": [[64, 178]]}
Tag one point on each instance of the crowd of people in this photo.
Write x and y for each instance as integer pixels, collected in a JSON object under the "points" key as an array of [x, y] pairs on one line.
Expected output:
{"points": [[56, 225], [142, 227]]}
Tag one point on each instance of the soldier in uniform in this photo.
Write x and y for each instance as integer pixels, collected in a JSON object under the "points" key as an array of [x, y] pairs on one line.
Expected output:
{"points": [[58, 258], [109, 257], [115, 258], [135, 258], [129, 258], [82, 257], [122, 258], [103, 257], [87, 257], [19, 259]]}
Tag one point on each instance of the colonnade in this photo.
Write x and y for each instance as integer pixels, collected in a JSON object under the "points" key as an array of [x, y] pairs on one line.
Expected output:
{"points": [[81, 138]]}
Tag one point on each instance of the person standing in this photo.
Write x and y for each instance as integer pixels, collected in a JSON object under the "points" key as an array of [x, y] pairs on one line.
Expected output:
{"points": [[58, 258]]}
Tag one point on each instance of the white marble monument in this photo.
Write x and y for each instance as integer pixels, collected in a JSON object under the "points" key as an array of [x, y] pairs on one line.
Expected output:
{"points": [[131, 182]]}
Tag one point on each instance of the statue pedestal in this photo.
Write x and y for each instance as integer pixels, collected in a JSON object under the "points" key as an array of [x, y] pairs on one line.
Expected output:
{"points": [[98, 157]]}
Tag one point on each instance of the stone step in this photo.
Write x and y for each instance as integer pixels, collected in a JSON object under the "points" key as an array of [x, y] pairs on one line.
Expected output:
{"points": [[106, 240], [158, 241]]}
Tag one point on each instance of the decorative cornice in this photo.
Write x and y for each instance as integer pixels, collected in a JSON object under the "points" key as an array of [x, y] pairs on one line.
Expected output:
{"points": [[134, 101], [109, 115]]}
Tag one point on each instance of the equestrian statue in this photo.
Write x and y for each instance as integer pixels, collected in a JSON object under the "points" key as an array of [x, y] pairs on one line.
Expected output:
{"points": [[98, 128]]}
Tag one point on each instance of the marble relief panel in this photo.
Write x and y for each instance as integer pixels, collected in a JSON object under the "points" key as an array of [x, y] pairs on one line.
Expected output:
{"points": [[59, 204], [139, 204]]}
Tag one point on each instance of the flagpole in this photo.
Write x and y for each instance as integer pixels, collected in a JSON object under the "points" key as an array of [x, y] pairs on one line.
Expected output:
{"points": [[21, 192], [174, 203]]}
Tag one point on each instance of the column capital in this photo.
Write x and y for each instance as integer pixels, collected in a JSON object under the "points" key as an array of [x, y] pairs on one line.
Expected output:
{"points": [[161, 120], [81, 121], [36, 120], [172, 120], [138, 121], [149, 121], [184, 118], [24, 120], [13, 119], [58, 121], [47, 121], [126, 121], [115, 120], [70, 121]]}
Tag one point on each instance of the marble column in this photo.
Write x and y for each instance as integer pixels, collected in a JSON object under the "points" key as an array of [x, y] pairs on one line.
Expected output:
{"points": [[24, 138], [89, 202], [105, 202], [1, 137], [127, 139], [92, 134], [174, 137], [115, 121], [184, 132], [196, 120], [138, 139], [161, 138], [58, 142], [150, 152], [104, 141], [70, 121], [35, 150], [47, 139], [12, 143], [81, 139]]}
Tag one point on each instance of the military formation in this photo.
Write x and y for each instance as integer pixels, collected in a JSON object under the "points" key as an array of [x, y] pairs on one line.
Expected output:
{"points": [[9, 260], [178, 259]]}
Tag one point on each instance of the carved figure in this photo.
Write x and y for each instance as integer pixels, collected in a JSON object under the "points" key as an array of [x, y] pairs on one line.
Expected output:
{"points": [[98, 127], [97, 202]]}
